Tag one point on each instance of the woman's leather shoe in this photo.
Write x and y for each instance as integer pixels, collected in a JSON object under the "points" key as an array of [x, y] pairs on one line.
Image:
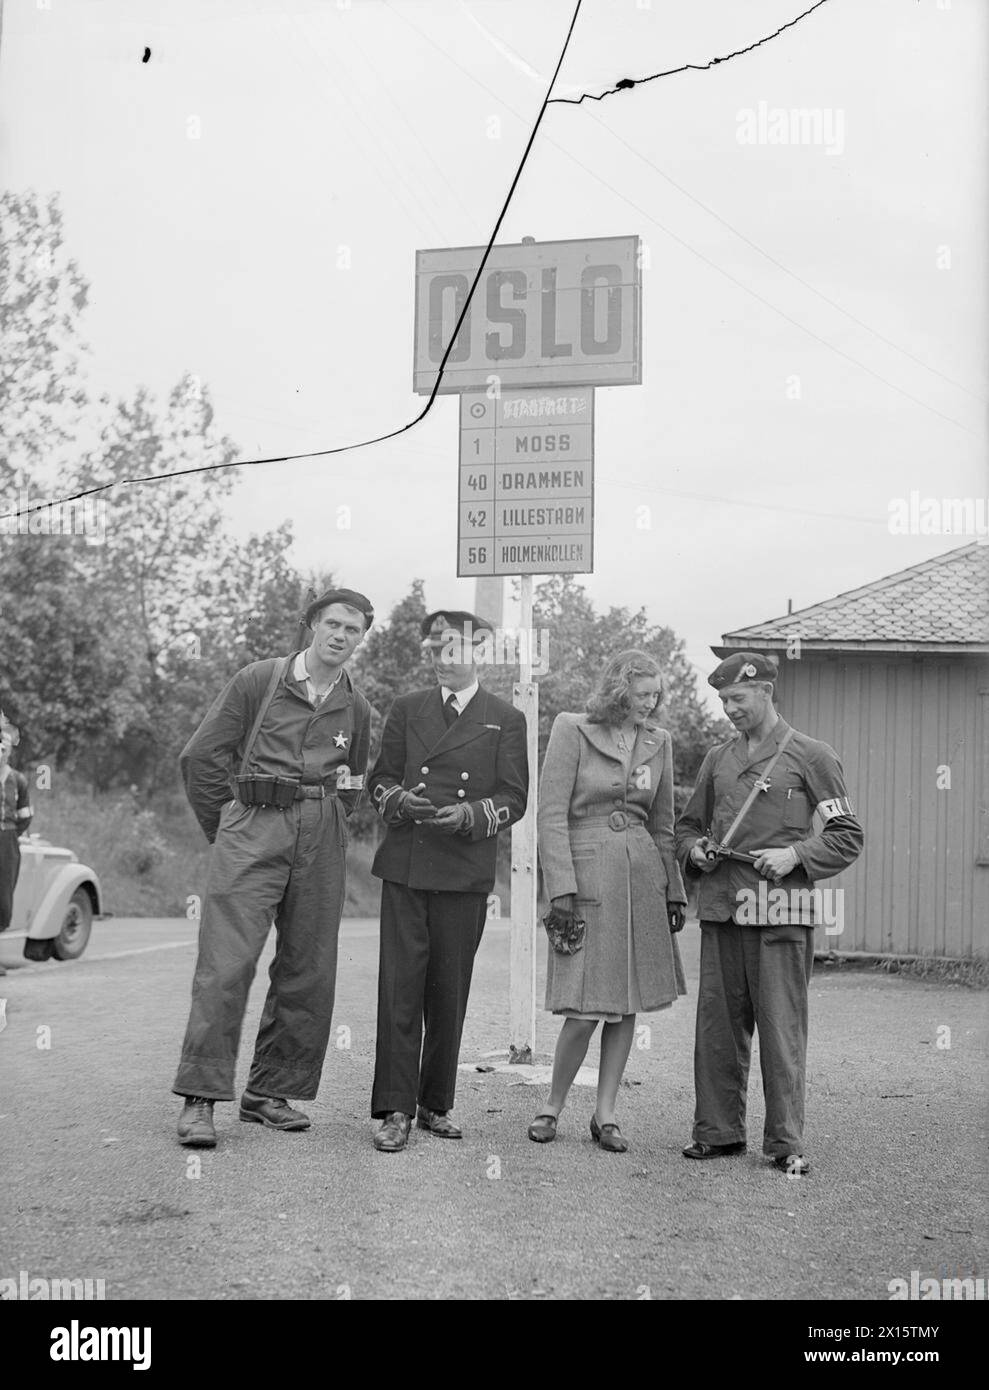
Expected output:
{"points": [[609, 1137], [543, 1129]]}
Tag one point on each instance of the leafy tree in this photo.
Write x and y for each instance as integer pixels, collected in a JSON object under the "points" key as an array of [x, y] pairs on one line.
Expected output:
{"points": [[580, 644], [42, 294], [160, 572], [388, 663], [61, 679]]}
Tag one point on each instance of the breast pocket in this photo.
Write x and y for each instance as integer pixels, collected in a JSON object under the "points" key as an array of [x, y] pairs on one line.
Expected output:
{"points": [[587, 874], [796, 807]]}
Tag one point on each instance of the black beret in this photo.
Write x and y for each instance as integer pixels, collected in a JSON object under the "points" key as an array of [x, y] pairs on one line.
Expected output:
{"points": [[744, 667], [348, 596], [434, 625]]}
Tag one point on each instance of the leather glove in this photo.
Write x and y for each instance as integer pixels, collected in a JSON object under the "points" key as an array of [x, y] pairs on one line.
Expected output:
{"points": [[563, 927], [415, 806], [448, 820], [674, 913]]}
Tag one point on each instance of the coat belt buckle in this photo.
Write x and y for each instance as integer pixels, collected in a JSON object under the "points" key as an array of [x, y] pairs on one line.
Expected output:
{"points": [[619, 820]]}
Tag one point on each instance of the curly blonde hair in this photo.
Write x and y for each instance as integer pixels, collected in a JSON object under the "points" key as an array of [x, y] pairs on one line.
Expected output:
{"points": [[609, 702]]}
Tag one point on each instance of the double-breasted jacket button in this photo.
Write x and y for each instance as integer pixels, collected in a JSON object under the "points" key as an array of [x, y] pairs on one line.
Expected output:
{"points": [[464, 776], [461, 792], [424, 769]]}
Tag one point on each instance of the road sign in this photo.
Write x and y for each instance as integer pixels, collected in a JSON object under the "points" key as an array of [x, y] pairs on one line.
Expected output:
{"points": [[526, 502], [560, 312]]}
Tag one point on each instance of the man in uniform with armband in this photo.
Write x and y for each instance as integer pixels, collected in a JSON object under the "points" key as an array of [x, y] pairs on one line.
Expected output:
{"points": [[453, 772], [749, 820], [298, 731]]}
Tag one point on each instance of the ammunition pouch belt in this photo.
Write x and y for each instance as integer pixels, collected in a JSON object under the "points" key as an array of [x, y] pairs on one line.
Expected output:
{"points": [[262, 790], [265, 790]]}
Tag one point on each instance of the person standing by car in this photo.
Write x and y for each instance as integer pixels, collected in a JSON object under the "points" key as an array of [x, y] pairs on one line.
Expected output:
{"points": [[606, 853], [15, 818], [300, 732]]}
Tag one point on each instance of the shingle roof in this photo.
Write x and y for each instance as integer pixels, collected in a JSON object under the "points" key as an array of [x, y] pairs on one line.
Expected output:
{"points": [[941, 603]]}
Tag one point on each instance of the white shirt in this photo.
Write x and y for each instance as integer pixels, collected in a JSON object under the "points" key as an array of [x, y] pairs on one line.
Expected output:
{"points": [[301, 673], [462, 697]]}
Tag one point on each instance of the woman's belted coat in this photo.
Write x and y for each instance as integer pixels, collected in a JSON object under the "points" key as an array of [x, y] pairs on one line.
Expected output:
{"points": [[609, 840]]}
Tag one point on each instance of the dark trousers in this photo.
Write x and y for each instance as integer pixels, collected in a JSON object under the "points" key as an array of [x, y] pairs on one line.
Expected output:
{"points": [[752, 977], [267, 864], [10, 867], [428, 944]]}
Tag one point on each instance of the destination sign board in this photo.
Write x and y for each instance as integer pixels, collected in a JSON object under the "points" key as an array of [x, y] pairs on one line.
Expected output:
{"points": [[526, 499]]}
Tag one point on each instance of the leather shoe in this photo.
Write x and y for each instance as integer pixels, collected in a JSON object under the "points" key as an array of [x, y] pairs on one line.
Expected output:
{"points": [[272, 1111], [438, 1122], [394, 1132], [699, 1150], [609, 1137], [793, 1165], [196, 1123], [543, 1129]]}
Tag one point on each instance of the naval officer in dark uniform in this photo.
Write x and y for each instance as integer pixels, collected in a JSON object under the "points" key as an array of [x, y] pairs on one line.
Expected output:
{"points": [[298, 731], [452, 774], [757, 943]]}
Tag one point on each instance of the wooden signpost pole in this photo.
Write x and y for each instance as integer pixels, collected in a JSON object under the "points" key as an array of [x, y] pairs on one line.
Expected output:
{"points": [[522, 946], [526, 374]]}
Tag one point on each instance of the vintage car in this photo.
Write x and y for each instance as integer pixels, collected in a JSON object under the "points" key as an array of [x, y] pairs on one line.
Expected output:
{"points": [[55, 901]]}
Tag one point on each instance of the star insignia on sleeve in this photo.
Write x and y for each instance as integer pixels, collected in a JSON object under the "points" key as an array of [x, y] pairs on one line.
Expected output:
{"points": [[340, 739]]}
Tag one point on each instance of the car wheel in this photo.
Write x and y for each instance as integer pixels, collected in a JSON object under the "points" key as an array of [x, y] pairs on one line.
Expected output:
{"points": [[73, 935]]}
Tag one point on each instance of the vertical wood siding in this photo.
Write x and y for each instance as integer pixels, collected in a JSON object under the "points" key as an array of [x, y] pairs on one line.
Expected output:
{"points": [[919, 887]]}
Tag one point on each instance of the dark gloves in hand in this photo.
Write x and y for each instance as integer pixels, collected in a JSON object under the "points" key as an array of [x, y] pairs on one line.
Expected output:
{"points": [[451, 819], [563, 927], [674, 912], [416, 806]]}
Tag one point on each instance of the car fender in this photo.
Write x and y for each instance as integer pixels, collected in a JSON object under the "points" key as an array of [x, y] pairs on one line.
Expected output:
{"points": [[48, 918]]}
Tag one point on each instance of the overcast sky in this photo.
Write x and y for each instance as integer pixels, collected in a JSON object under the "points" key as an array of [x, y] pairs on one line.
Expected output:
{"points": [[368, 126]]}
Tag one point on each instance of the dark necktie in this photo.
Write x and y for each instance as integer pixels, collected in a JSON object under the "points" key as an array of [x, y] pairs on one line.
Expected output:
{"points": [[450, 712]]}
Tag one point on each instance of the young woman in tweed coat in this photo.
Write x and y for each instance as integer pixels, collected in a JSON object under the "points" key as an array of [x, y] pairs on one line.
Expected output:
{"points": [[606, 851]]}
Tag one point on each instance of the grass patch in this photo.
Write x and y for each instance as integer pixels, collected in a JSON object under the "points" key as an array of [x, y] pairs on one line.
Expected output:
{"points": [[972, 973], [151, 860]]}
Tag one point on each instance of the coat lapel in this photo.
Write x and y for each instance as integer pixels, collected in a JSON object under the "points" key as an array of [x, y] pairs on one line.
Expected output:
{"points": [[649, 743], [599, 736], [429, 725]]}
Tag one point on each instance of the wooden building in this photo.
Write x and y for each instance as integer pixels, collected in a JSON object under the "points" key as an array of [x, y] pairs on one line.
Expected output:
{"points": [[895, 676]]}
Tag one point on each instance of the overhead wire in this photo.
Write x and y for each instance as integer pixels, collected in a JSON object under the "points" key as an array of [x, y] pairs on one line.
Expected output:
{"points": [[392, 434], [686, 245]]}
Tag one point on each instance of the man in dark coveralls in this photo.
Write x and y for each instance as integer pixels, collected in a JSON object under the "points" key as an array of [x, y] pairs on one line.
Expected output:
{"points": [[757, 948], [15, 818], [452, 773], [298, 732]]}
